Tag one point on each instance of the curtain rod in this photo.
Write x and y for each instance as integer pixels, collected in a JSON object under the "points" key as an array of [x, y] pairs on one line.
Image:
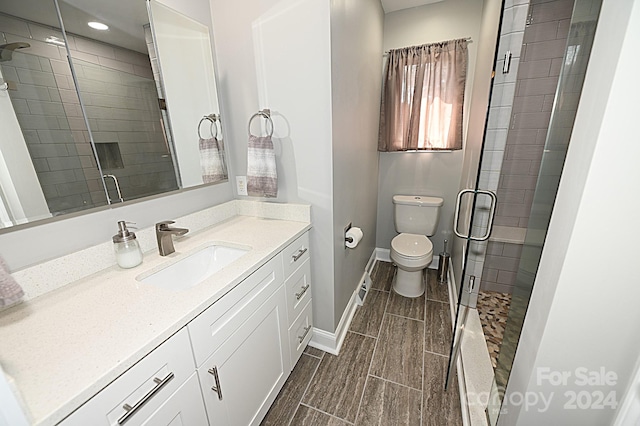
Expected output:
{"points": [[386, 52]]}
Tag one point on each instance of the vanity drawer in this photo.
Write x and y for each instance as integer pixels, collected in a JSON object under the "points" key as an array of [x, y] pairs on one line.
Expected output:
{"points": [[300, 333], [215, 325], [144, 387], [295, 254], [298, 287]]}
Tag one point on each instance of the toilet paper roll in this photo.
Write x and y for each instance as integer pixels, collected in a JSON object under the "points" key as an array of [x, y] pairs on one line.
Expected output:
{"points": [[355, 234]]}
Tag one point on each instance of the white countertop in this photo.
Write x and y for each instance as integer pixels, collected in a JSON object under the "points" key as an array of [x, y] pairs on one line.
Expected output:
{"points": [[65, 346]]}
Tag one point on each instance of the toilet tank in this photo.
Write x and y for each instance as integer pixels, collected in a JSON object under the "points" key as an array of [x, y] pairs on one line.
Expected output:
{"points": [[416, 214]]}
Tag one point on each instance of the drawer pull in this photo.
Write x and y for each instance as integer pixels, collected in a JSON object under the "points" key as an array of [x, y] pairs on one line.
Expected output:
{"points": [[131, 410], [299, 255], [306, 331], [217, 389], [304, 290]]}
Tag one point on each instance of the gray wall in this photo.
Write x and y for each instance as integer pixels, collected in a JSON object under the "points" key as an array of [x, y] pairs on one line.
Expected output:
{"points": [[356, 48], [436, 174], [586, 315]]}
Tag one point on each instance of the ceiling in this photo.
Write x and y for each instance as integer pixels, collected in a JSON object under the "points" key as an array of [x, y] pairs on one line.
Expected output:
{"points": [[395, 5], [124, 17]]}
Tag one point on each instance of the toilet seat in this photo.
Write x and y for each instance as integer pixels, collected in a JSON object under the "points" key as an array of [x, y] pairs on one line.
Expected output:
{"points": [[412, 246]]}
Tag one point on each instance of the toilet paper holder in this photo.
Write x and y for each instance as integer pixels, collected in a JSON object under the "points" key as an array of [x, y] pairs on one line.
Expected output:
{"points": [[346, 229]]}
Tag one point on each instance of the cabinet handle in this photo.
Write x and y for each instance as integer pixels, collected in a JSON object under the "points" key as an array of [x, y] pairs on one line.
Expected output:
{"points": [[132, 410], [304, 290], [217, 389], [299, 255], [306, 331]]}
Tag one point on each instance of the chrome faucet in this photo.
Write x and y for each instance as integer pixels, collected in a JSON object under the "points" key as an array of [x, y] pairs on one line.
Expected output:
{"points": [[163, 235]]}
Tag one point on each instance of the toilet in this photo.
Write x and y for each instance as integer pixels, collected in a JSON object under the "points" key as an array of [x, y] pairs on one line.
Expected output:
{"points": [[415, 218]]}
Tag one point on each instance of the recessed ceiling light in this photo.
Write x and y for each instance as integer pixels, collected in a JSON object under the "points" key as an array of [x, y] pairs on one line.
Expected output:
{"points": [[98, 26]]}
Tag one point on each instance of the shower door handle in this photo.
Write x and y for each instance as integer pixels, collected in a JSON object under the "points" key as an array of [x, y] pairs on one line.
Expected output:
{"points": [[492, 213]]}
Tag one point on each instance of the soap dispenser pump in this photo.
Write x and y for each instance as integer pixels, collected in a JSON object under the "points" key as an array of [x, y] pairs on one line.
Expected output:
{"points": [[128, 252]]}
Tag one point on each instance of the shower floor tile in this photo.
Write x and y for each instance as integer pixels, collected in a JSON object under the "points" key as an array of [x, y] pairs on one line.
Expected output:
{"points": [[493, 308]]}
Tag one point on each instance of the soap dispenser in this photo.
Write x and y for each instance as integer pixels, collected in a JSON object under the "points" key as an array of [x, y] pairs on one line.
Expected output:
{"points": [[128, 253]]}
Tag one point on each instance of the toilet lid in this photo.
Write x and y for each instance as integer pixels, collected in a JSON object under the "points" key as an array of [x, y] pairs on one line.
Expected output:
{"points": [[412, 245]]}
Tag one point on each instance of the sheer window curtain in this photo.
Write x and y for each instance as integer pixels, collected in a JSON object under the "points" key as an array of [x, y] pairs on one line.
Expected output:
{"points": [[422, 98]]}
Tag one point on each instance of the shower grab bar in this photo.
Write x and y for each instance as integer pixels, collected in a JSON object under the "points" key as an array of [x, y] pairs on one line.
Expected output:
{"points": [[115, 181], [212, 118], [266, 113], [492, 213]]}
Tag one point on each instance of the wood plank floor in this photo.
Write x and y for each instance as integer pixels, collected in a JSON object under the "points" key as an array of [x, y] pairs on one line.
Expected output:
{"points": [[390, 371]]}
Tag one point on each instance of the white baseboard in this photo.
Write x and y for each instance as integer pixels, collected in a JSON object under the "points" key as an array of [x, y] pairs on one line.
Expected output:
{"points": [[332, 342], [385, 256]]}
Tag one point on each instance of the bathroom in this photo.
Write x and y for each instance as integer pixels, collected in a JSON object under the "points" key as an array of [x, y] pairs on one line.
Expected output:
{"points": [[323, 89]]}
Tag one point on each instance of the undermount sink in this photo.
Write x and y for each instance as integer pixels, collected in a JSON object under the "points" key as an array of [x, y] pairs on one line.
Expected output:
{"points": [[194, 268]]}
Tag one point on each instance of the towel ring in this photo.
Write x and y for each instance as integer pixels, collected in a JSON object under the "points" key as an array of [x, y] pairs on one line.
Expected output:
{"points": [[266, 113], [212, 118]]}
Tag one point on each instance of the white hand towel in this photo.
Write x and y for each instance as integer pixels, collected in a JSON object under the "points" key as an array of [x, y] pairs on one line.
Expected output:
{"points": [[10, 290], [212, 160], [262, 178]]}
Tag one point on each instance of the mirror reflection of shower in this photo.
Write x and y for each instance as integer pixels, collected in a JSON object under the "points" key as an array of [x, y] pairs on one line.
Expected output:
{"points": [[6, 50]]}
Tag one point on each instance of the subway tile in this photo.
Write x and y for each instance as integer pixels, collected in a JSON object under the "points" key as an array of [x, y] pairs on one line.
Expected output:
{"points": [[72, 188], [37, 122], [522, 137], [20, 106], [512, 209], [48, 150], [534, 69], [489, 274], [54, 94], [398, 355], [516, 167], [368, 318], [512, 196], [27, 91], [9, 73], [545, 50], [492, 160], [541, 32], [87, 161], [49, 191], [506, 221], [86, 57], [64, 163], [489, 180], [116, 65], [131, 57], [37, 107], [524, 152], [143, 71], [528, 104], [95, 48], [63, 82], [105, 136], [496, 139], [531, 120], [556, 67], [338, 384], [518, 182], [512, 250], [36, 78], [62, 176], [55, 136], [502, 263], [495, 248], [69, 96], [386, 403], [76, 123], [437, 327], [45, 65], [537, 86], [9, 24], [101, 74], [499, 117], [506, 278], [523, 222], [502, 94], [63, 123], [551, 11], [500, 288]]}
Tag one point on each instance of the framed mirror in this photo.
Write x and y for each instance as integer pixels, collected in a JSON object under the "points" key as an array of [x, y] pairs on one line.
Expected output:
{"points": [[95, 130]]}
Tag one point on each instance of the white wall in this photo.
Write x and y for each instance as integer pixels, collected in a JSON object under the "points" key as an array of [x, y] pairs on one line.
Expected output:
{"points": [[356, 48], [31, 244], [277, 55], [436, 174], [582, 313]]}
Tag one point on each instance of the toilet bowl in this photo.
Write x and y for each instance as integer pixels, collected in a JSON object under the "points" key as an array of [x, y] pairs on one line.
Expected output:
{"points": [[411, 253]]}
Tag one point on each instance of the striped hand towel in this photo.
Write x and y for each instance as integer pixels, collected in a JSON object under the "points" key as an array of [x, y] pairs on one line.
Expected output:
{"points": [[212, 160], [262, 178], [10, 290]]}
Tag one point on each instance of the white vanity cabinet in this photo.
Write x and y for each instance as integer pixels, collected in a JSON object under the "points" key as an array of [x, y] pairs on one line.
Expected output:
{"points": [[226, 367], [157, 390]]}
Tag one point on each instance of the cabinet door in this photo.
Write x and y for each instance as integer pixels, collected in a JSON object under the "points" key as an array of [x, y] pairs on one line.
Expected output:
{"points": [[243, 377], [183, 408]]}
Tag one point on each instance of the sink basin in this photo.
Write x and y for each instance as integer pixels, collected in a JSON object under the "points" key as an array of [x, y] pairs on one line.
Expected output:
{"points": [[194, 268]]}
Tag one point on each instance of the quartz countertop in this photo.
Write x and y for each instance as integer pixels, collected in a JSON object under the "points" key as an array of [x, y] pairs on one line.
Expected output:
{"points": [[64, 347]]}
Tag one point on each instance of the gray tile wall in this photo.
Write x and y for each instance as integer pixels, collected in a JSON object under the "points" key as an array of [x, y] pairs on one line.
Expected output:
{"points": [[500, 267], [121, 99], [544, 42]]}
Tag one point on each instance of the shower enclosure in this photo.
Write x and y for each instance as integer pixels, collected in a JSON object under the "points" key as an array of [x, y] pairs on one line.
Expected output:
{"points": [[540, 68]]}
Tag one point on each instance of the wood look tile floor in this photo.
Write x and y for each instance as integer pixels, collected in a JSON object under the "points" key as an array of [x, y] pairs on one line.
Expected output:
{"points": [[390, 371]]}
